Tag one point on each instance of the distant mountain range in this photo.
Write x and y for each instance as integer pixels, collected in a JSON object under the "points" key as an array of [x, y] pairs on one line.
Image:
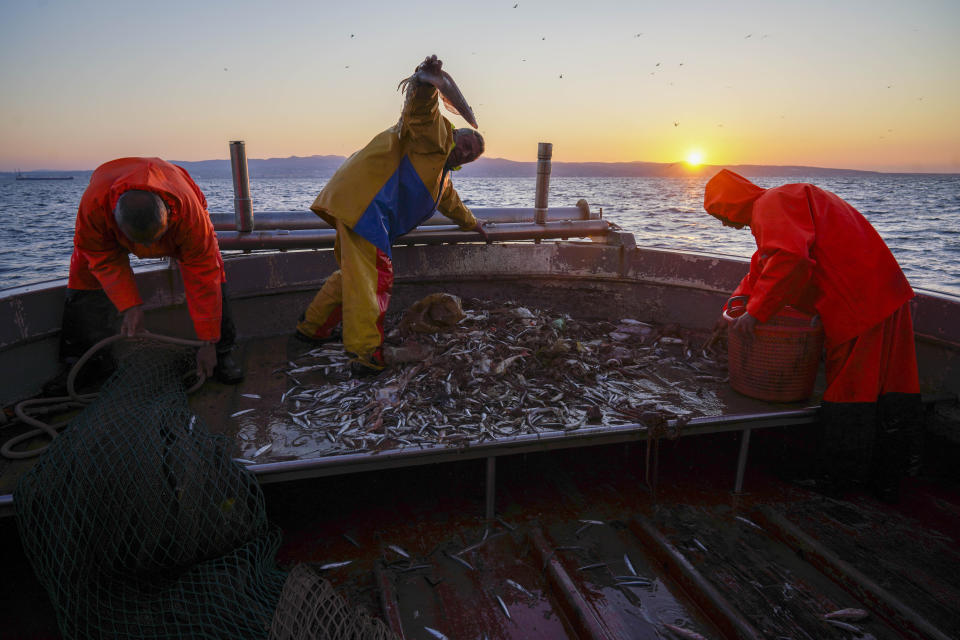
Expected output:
{"points": [[322, 167]]}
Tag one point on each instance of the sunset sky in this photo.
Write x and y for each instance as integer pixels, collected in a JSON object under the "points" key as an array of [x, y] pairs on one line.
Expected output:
{"points": [[853, 84]]}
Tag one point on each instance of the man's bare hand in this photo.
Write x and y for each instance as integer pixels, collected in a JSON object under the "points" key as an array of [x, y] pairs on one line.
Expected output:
{"points": [[132, 321], [430, 64], [206, 359], [483, 232]]}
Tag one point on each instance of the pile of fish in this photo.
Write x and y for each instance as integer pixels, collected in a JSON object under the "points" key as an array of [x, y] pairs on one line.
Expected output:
{"points": [[504, 370]]}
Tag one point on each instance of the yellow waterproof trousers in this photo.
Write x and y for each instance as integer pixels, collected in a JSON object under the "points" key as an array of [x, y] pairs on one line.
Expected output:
{"points": [[358, 293]]}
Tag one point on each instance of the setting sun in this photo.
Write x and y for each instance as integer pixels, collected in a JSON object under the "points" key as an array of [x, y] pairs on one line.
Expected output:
{"points": [[695, 158]]}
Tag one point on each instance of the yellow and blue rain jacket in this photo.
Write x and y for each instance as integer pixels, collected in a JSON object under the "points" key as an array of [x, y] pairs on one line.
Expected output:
{"points": [[392, 185]]}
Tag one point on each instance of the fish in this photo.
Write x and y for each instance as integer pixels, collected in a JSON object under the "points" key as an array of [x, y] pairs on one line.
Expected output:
{"points": [[240, 413], [626, 560], [503, 606], [845, 626], [680, 632], [592, 566], [251, 395], [334, 565], [449, 92], [749, 522], [436, 634], [519, 587], [461, 561], [846, 614], [262, 449]]}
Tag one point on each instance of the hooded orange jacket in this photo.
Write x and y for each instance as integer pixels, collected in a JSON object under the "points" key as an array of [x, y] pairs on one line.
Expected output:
{"points": [[100, 250], [814, 251]]}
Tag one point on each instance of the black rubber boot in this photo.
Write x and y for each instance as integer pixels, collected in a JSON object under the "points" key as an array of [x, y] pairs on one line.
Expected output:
{"points": [[228, 370]]}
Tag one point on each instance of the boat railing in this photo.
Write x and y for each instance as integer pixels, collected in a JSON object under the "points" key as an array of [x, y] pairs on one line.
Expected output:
{"points": [[244, 230]]}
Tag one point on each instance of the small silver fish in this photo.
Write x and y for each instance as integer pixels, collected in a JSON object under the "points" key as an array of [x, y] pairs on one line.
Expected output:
{"points": [[626, 560], [503, 606], [700, 544], [262, 450], [846, 614], [680, 632], [240, 413], [250, 395], [593, 521], [334, 565], [591, 566], [845, 626], [519, 587], [436, 634], [752, 524], [397, 549]]}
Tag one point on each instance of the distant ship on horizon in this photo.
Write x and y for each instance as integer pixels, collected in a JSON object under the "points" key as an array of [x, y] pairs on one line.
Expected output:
{"points": [[20, 176]]}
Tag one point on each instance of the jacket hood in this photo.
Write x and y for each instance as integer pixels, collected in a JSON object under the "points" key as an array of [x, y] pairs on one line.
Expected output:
{"points": [[731, 196]]}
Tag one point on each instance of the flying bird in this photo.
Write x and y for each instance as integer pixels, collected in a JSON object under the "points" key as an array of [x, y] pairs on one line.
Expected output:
{"points": [[747, 36], [516, 5], [561, 75], [676, 124]]}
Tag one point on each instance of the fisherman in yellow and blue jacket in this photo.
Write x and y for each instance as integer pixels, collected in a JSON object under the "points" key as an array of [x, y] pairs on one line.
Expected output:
{"points": [[379, 193]]}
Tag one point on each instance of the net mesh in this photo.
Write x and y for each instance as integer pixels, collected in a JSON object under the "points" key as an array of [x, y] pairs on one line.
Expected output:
{"points": [[310, 609], [138, 523]]}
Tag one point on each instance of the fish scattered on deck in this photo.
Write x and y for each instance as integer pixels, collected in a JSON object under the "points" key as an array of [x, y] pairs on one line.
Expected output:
{"points": [[680, 632], [399, 551], [240, 413], [334, 565], [436, 634], [846, 614], [749, 522], [845, 626], [251, 395], [503, 606], [626, 560], [519, 587], [262, 450]]}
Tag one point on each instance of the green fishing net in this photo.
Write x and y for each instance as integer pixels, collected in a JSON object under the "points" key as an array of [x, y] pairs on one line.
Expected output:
{"points": [[138, 523]]}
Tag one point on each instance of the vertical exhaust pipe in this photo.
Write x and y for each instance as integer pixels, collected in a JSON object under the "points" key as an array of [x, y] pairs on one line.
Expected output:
{"points": [[544, 153], [242, 206]]}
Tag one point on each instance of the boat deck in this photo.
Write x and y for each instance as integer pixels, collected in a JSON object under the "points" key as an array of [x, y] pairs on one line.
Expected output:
{"points": [[582, 547]]}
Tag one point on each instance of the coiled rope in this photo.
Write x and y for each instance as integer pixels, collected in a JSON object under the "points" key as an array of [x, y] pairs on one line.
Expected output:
{"points": [[74, 399]]}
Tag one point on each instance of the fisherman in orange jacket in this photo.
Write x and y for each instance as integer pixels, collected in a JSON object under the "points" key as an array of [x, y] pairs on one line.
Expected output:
{"points": [[382, 192], [152, 209], [817, 253]]}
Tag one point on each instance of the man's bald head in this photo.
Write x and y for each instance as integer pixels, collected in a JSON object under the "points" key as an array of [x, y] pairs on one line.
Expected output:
{"points": [[141, 216]]}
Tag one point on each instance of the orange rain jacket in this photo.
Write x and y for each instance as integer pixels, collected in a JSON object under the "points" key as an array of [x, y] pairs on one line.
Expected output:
{"points": [[814, 251], [100, 250]]}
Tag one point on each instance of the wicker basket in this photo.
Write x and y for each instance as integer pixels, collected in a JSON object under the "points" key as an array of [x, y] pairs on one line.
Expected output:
{"points": [[779, 362]]}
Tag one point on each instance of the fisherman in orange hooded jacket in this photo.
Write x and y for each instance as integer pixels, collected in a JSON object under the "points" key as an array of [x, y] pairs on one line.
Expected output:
{"points": [[817, 253], [152, 209]]}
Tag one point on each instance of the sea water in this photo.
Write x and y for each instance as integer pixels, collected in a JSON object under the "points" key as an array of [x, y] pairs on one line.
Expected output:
{"points": [[917, 215]]}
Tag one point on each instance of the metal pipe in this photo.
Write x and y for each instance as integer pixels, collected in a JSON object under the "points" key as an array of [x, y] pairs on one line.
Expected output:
{"points": [[267, 220], [544, 154], [242, 206], [318, 238]]}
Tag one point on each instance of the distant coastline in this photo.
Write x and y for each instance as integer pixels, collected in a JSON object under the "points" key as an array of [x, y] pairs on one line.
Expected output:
{"points": [[323, 167]]}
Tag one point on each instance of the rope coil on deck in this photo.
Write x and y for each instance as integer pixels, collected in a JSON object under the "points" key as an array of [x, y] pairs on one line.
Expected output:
{"points": [[73, 399]]}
